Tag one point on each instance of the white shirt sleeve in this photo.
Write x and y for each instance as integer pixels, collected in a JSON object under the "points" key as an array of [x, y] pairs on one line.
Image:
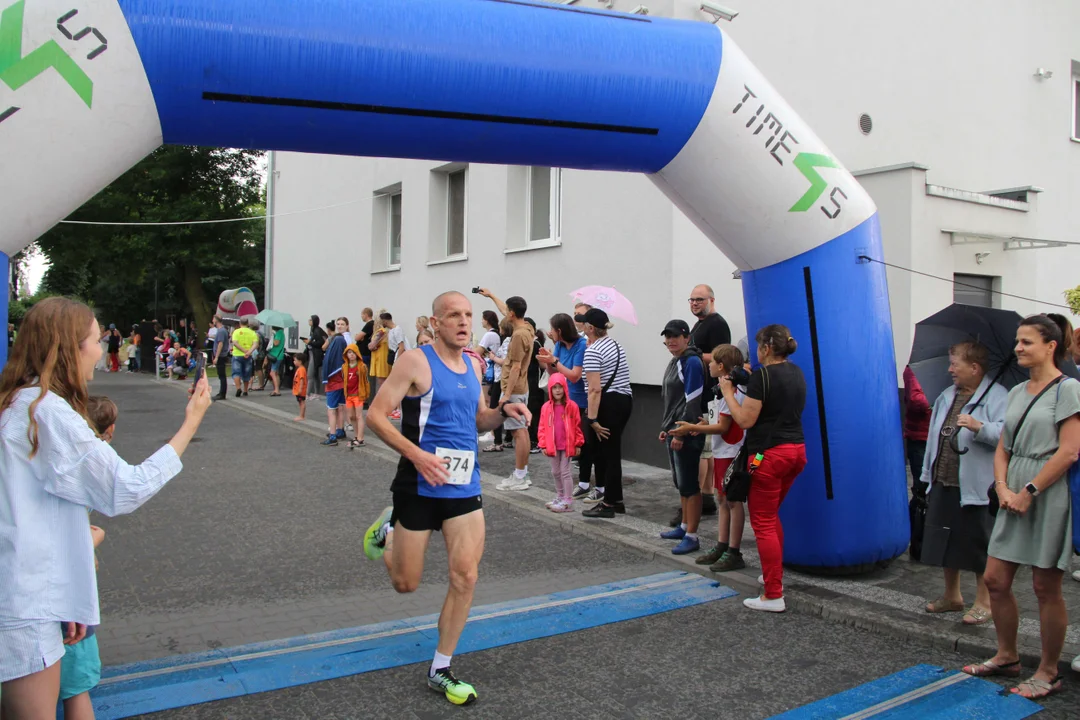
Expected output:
{"points": [[82, 468]]}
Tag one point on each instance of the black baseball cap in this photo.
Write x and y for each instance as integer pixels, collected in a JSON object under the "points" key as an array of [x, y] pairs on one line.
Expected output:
{"points": [[595, 317], [676, 327]]}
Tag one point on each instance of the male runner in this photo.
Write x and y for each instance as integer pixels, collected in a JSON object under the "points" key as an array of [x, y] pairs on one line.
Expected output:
{"points": [[437, 486]]}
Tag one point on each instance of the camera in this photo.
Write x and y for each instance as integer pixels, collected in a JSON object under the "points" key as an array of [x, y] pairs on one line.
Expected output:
{"points": [[476, 290], [739, 376]]}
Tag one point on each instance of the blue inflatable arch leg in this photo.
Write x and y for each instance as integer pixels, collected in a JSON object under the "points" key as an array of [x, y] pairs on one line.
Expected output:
{"points": [[510, 82]]}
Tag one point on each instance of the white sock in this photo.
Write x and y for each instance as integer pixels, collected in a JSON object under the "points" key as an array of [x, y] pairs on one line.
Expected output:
{"points": [[692, 536], [583, 486], [520, 474], [683, 526], [441, 661]]}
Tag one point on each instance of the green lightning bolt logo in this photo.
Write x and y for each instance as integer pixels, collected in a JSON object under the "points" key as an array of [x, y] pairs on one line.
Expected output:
{"points": [[806, 162], [16, 70]]}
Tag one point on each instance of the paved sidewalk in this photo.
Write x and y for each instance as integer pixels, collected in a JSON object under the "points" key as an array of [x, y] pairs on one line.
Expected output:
{"points": [[888, 600]]}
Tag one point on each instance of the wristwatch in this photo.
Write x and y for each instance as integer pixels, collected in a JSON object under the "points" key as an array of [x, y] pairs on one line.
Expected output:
{"points": [[502, 410], [1032, 490]]}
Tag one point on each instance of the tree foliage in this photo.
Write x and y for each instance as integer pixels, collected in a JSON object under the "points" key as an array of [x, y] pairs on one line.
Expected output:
{"points": [[1072, 299], [142, 272]]}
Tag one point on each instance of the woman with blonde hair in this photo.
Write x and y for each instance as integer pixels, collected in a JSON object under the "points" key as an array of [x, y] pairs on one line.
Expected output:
{"points": [[52, 467]]}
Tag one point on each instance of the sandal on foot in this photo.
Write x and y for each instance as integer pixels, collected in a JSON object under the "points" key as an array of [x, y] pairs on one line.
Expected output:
{"points": [[1038, 689], [992, 669], [356, 443], [941, 605], [493, 448], [977, 616]]}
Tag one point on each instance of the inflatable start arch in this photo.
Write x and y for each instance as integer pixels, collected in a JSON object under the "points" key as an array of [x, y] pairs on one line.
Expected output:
{"points": [[89, 87]]}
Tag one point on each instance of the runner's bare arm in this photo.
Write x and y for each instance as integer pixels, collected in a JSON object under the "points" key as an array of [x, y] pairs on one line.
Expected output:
{"points": [[410, 375]]}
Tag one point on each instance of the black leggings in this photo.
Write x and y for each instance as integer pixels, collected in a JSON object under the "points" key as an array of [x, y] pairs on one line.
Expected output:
{"points": [[585, 456], [494, 393], [615, 410]]}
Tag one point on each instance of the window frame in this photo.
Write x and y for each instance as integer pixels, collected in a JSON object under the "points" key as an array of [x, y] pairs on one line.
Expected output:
{"points": [[554, 209], [390, 264], [448, 254], [1074, 131]]}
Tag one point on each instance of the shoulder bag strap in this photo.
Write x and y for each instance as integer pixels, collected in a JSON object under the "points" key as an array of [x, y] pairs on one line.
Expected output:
{"points": [[618, 364], [1031, 404]]}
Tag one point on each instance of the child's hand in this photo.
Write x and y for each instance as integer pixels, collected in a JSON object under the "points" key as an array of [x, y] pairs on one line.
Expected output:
{"points": [[97, 534], [74, 633]]}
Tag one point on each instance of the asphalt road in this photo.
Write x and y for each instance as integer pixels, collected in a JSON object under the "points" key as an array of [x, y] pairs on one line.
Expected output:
{"points": [[259, 539]]}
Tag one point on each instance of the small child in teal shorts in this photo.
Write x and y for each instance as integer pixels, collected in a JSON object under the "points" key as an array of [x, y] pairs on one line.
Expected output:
{"points": [[80, 668]]}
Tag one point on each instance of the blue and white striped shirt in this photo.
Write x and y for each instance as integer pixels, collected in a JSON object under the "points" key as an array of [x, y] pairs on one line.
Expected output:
{"points": [[46, 554]]}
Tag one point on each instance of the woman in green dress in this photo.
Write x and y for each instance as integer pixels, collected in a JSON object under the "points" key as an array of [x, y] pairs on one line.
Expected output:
{"points": [[1034, 525]]}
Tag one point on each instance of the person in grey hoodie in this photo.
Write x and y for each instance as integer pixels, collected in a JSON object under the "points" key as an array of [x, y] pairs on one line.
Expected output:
{"points": [[683, 389], [958, 470]]}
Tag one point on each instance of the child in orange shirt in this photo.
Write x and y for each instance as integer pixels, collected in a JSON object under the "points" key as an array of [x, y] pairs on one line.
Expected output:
{"points": [[299, 385], [355, 373]]}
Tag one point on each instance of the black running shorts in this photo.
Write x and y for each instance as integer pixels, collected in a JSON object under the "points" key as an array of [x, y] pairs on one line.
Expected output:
{"points": [[418, 513]]}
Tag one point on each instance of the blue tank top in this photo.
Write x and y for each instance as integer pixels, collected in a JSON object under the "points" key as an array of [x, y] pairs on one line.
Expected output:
{"points": [[443, 417]]}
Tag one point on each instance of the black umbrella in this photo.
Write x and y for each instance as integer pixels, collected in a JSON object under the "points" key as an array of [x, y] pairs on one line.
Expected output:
{"points": [[992, 327]]}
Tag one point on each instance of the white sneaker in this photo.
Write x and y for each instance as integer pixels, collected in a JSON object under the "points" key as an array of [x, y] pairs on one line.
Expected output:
{"points": [[523, 484], [486, 438], [553, 501], [760, 603], [760, 579], [1076, 664], [513, 483], [1076, 575]]}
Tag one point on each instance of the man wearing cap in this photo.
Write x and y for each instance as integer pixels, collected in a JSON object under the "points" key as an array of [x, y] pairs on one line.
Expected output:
{"points": [[683, 387]]}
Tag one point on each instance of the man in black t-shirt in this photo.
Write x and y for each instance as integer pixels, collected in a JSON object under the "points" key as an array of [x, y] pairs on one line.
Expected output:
{"points": [[710, 330]]}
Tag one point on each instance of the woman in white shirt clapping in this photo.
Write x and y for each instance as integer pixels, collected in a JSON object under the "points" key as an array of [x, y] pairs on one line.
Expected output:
{"points": [[52, 468]]}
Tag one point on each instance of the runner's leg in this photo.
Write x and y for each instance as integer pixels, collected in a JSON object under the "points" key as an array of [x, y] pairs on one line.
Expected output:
{"points": [[464, 537], [404, 557]]}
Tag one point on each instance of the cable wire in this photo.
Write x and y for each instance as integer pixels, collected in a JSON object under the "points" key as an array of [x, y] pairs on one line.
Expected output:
{"points": [[961, 284], [209, 222]]}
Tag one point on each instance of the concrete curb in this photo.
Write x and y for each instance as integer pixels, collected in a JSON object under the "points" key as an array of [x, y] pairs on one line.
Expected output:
{"points": [[807, 599]]}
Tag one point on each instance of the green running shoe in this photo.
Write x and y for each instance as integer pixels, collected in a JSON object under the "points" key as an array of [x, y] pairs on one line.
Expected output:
{"points": [[457, 692], [375, 537]]}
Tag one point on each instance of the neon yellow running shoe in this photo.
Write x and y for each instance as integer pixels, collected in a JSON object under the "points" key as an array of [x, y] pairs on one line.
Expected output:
{"points": [[457, 692], [375, 537]]}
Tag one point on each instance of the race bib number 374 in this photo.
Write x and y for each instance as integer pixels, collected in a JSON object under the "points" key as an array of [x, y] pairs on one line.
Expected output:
{"points": [[459, 463]]}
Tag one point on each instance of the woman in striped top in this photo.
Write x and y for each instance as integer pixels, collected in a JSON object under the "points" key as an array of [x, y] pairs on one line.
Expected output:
{"points": [[53, 467], [611, 401]]}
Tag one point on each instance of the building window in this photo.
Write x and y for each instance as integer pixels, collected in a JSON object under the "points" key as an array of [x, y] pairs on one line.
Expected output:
{"points": [[1076, 107], [456, 207], [393, 224], [973, 289], [386, 229], [544, 205]]}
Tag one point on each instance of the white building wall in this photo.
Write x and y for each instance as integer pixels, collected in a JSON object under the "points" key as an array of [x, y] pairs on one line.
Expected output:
{"points": [[948, 84]]}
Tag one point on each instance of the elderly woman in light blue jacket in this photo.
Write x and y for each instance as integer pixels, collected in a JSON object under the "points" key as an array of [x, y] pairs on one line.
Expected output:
{"points": [[958, 468]]}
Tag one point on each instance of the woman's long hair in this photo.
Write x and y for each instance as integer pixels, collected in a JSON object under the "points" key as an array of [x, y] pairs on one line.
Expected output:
{"points": [[46, 354], [565, 325]]}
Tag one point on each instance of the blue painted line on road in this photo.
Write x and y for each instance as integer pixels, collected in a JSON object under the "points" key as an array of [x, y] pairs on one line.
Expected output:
{"points": [[180, 681], [922, 691]]}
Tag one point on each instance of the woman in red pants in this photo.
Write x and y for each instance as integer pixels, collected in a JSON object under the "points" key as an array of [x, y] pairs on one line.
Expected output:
{"points": [[771, 414]]}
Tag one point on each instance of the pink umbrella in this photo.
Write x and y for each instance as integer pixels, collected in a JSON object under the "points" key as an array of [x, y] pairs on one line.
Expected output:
{"points": [[610, 300]]}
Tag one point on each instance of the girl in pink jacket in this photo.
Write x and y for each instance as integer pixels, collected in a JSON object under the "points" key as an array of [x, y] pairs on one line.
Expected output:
{"points": [[559, 438]]}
